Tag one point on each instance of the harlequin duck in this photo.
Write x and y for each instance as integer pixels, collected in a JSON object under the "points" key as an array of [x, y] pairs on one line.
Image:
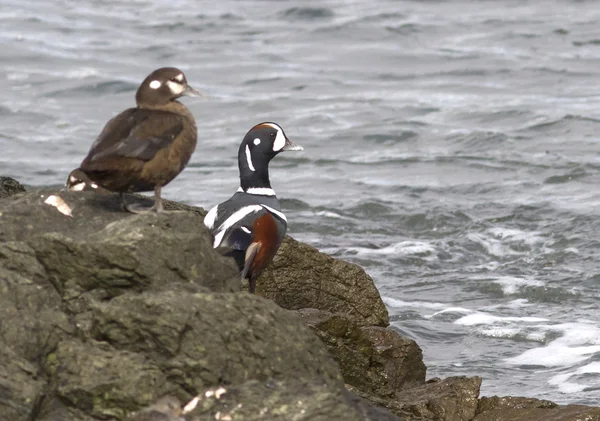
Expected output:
{"points": [[250, 225], [144, 148], [77, 180]]}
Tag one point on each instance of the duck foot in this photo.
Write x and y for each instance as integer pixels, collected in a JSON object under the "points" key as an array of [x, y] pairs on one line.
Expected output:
{"points": [[139, 209]]}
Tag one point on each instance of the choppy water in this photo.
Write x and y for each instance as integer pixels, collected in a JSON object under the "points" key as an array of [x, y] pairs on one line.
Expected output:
{"points": [[451, 148]]}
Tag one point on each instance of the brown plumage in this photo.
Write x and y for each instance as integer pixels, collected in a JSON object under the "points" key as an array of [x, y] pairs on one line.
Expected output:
{"points": [[145, 148], [265, 242]]}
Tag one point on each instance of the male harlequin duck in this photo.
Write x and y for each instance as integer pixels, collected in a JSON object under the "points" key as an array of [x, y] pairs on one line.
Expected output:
{"points": [[143, 148], [250, 224]]}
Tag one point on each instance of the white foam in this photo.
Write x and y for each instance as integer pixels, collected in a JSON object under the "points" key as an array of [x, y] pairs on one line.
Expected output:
{"points": [[578, 342], [329, 214], [512, 333], [514, 304], [527, 237], [393, 302], [480, 318], [403, 248], [512, 285], [565, 386], [493, 246], [460, 310], [497, 240], [591, 368], [561, 381]]}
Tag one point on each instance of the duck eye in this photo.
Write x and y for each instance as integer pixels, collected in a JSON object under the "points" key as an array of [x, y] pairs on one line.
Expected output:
{"points": [[272, 135]]}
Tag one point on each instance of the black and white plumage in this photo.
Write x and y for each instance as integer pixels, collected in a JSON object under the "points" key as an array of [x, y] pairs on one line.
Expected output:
{"points": [[250, 225]]}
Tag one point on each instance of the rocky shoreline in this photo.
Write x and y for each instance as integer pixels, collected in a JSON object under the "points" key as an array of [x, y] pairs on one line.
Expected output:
{"points": [[102, 313]]}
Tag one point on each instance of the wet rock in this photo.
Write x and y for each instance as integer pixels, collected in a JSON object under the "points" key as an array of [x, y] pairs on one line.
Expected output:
{"points": [[538, 411], [302, 277], [298, 400], [20, 385], [375, 360], [10, 186], [511, 402], [165, 409], [103, 312], [450, 399], [103, 249]]}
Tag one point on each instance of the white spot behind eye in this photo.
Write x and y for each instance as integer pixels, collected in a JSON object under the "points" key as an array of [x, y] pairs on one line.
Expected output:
{"points": [[175, 88], [279, 141], [257, 141], [179, 77], [155, 84], [249, 159]]}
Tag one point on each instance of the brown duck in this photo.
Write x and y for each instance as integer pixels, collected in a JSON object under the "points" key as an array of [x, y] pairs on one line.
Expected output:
{"points": [[144, 148]]}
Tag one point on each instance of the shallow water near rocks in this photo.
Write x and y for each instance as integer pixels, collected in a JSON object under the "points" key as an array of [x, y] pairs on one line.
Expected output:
{"points": [[451, 149]]}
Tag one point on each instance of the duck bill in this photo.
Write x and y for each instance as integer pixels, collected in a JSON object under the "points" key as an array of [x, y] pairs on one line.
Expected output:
{"points": [[189, 91], [291, 146]]}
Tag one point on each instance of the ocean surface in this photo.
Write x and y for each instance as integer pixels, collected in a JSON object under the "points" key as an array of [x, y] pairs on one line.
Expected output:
{"points": [[452, 148]]}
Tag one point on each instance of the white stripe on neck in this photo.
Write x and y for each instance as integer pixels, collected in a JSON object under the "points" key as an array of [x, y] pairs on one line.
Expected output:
{"points": [[260, 191], [249, 159]]}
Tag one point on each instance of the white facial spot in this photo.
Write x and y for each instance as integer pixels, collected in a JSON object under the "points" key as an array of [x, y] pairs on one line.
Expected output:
{"points": [[249, 159], [179, 77], [279, 141], [155, 84], [175, 88], [246, 230], [257, 141]]}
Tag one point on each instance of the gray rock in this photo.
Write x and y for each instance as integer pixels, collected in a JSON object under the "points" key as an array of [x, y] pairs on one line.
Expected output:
{"points": [[103, 312], [284, 401], [10, 186], [374, 360], [302, 277], [541, 413], [167, 408], [511, 402]]}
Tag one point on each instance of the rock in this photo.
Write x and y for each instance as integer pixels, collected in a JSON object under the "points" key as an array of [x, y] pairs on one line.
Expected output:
{"points": [[10, 186], [543, 412], [284, 401], [104, 249], [375, 360], [302, 277], [451, 399], [102, 312], [510, 402], [165, 409]]}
